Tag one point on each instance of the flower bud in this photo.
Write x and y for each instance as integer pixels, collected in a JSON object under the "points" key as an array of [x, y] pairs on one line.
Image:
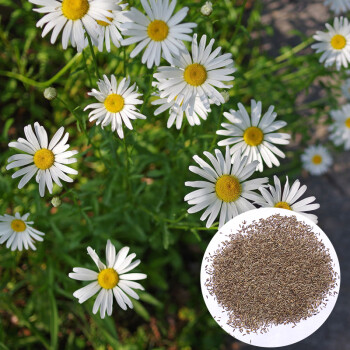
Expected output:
{"points": [[50, 93], [56, 202], [225, 95], [207, 9]]}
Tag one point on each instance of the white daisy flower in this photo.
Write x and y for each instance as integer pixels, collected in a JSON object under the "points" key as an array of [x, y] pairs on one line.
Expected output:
{"points": [[345, 88], [335, 44], [46, 160], [195, 75], [74, 17], [340, 129], [17, 232], [288, 198], [160, 32], [226, 190], [176, 114], [338, 6], [116, 104], [254, 136], [316, 160], [111, 31], [110, 279]]}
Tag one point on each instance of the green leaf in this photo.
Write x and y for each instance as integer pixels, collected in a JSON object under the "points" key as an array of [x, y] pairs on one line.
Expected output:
{"points": [[140, 310]]}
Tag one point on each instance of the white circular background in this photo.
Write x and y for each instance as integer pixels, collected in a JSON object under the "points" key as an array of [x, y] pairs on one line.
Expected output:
{"points": [[280, 335]]}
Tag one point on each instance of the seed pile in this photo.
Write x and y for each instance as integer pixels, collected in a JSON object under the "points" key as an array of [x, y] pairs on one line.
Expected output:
{"points": [[274, 271]]}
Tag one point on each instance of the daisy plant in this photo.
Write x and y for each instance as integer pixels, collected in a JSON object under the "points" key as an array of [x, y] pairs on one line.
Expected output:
{"points": [[111, 279], [116, 104], [47, 160], [334, 44], [18, 233], [316, 160], [159, 32], [225, 188], [288, 198], [74, 17], [340, 128], [196, 74], [254, 136]]}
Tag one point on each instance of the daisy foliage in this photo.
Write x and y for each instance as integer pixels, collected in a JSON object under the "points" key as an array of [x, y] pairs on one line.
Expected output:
{"points": [[116, 104], [254, 136], [316, 160], [72, 18], [111, 280], [17, 232], [334, 44], [159, 32], [225, 189], [196, 74], [47, 160], [287, 198]]}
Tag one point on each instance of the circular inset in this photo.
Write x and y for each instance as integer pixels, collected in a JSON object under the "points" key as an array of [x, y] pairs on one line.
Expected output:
{"points": [[280, 335]]}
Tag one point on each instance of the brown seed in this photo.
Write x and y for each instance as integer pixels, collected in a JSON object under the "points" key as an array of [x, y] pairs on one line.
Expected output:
{"points": [[271, 272]]}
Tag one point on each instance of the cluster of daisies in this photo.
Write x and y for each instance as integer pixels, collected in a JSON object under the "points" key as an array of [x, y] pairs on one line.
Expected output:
{"points": [[187, 85], [47, 162], [334, 44], [226, 190]]}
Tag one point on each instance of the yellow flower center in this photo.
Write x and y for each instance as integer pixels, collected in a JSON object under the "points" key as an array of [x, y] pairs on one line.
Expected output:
{"points": [[195, 74], [158, 30], [316, 159], [228, 188], [114, 103], [108, 278], [347, 123], [283, 205], [75, 9], [44, 159], [253, 136], [18, 225], [338, 42]]}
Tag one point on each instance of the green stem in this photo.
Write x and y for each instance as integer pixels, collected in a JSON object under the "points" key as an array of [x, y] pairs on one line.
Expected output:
{"points": [[127, 165], [304, 73], [93, 57], [87, 69], [83, 126], [320, 102], [124, 59], [74, 114], [217, 128], [238, 25], [294, 50], [43, 84], [277, 62]]}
